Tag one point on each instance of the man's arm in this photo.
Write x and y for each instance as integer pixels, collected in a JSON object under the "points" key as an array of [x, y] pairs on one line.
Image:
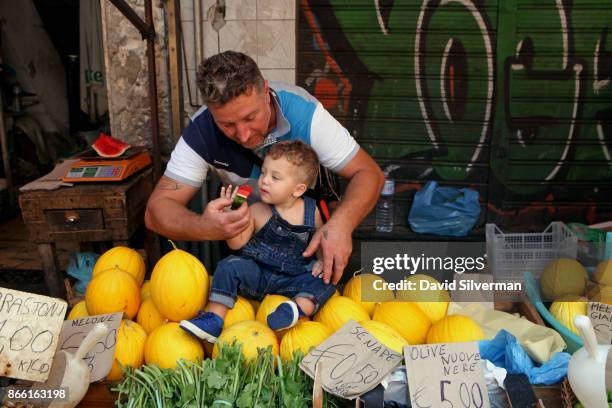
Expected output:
{"points": [[168, 215], [335, 237]]}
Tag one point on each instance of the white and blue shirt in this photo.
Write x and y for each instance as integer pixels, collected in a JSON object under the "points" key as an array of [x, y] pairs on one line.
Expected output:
{"points": [[299, 116]]}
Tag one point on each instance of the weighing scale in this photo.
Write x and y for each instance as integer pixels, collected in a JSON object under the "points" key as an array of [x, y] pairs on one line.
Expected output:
{"points": [[93, 168]]}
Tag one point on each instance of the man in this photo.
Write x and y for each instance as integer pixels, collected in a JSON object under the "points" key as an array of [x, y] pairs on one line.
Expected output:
{"points": [[244, 115]]}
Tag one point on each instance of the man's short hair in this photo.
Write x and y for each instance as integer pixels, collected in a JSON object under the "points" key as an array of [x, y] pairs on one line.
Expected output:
{"points": [[227, 75], [301, 156]]}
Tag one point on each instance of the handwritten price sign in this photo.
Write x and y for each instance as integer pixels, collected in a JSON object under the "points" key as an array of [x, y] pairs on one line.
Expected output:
{"points": [[351, 361], [29, 330], [446, 376], [601, 317], [100, 358]]}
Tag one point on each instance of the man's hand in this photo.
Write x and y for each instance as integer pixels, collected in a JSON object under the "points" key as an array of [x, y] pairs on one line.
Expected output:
{"points": [[223, 224], [336, 244]]}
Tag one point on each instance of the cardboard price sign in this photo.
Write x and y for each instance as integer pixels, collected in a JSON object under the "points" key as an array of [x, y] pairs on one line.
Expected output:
{"points": [[601, 317], [350, 362], [100, 358], [446, 375], [29, 331]]}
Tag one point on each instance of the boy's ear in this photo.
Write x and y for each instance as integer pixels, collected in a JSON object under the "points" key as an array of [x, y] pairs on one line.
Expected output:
{"points": [[299, 189]]}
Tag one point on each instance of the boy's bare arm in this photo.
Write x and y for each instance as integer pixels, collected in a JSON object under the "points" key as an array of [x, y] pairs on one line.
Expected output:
{"points": [[241, 239], [258, 213]]}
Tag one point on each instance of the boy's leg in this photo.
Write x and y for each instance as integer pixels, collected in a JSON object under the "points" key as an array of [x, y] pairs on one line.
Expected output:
{"points": [[231, 273], [308, 294]]}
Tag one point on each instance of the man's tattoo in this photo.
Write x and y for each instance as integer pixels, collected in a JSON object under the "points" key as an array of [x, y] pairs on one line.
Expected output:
{"points": [[169, 185]]}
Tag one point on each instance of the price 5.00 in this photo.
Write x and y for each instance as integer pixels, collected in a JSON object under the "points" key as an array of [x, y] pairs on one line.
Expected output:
{"points": [[469, 396]]}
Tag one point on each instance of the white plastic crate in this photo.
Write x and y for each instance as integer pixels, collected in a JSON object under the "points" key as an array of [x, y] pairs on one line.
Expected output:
{"points": [[510, 255]]}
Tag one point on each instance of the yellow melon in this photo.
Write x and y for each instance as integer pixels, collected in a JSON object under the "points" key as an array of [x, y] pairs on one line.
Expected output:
{"points": [[454, 329], [129, 348], [145, 290], [78, 311], [302, 337], [385, 334], [113, 291], [179, 284], [600, 293], [251, 334], [432, 302], [367, 290], [406, 318], [169, 343], [338, 310], [603, 273], [241, 311], [124, 258], [563, 277], [567, 308], [149, 317]]}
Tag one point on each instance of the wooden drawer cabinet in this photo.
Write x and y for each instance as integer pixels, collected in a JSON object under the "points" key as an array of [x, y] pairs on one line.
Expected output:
{"points": [[76, 220], [88, 212]]}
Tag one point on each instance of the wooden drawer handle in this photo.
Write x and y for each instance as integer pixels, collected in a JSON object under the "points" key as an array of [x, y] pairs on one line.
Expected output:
{"points": [[72, 218]]}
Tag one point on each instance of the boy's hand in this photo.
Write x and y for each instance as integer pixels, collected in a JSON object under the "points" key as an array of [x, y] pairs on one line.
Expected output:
{"points": [[336, 245], [317, 269], [228, 192]]}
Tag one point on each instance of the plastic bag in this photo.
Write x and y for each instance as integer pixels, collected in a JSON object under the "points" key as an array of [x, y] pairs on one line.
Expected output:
{"points": [[80, 267], [444, 210], [505, 351]]}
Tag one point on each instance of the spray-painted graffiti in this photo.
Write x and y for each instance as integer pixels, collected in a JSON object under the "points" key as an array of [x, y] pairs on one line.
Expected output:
{"points": [[513, 98]]}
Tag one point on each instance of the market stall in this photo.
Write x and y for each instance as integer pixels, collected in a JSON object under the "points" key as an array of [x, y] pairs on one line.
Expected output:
{"points": [[353, 351]]}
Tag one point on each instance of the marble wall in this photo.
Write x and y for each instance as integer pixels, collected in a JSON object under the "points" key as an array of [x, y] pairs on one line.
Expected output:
{"points": [[263, 29], [127, 76]]}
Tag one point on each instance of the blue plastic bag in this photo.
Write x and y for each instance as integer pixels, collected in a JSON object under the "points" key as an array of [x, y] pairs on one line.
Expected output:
{"points": [[80, 267], [506, 352], [444, 210]]}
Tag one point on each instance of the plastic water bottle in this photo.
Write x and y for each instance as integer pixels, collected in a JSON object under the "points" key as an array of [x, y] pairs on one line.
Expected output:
{"points": [[384, 208]]}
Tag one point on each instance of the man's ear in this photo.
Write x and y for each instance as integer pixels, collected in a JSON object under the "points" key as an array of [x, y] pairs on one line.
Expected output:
{"points": [[299, 190]]}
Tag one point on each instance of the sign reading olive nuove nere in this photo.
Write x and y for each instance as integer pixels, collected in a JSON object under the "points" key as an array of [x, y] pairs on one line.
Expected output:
{"points": [[446, 375], [29, 330]]}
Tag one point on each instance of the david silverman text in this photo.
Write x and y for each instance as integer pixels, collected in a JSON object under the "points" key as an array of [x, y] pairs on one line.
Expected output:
{"points": [[466, 284]]}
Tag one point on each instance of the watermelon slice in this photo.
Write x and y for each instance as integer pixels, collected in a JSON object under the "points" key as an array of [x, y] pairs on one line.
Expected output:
{"points": [[243, 193], [108, 146]]}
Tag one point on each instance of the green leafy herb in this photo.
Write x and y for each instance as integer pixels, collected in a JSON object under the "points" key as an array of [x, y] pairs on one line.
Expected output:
{"points": [[225, 382]]}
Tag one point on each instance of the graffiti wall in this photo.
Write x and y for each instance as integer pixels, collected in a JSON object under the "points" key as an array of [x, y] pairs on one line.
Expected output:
{"points": [[510, 97]]}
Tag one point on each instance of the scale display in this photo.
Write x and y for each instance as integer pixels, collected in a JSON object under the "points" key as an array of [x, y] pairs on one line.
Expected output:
{"points": [[95, 172]]}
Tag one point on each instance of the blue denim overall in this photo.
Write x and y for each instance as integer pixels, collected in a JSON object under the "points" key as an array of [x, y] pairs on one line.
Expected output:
{"points": [[272, 262]]}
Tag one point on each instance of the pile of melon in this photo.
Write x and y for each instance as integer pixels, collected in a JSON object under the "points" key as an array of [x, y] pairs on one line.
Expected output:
{"points": [[178, 289], [566, 283], [149, 332], [394, 322]]}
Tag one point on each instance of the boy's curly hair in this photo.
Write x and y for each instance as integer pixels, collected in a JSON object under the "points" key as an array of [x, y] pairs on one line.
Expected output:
{"points": [[301, 156]]}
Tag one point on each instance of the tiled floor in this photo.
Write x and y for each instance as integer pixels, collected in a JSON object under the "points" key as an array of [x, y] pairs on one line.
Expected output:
{"points": [[18, 253]]}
